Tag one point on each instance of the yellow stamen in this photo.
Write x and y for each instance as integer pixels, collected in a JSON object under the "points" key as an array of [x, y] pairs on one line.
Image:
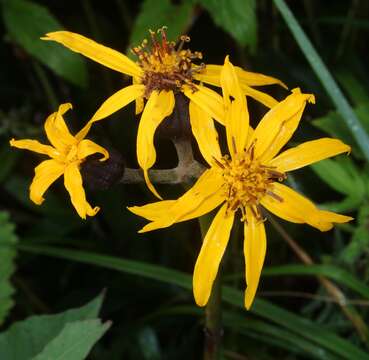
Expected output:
{"points": [[165, 66], [247, 181]]}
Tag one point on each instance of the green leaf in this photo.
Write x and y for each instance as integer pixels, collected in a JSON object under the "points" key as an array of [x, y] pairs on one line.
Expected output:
{"points": [[360, 239], [75, 341], [26, 339], [341, 175], [8, 252], [296, 324], [334, 125], [237, 17], [342, 276], [155, 14], [353, 87], [26, 22], [352, 122]]}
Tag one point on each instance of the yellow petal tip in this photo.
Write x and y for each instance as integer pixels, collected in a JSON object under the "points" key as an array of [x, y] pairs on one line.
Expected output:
{"points": [[150, 185]]}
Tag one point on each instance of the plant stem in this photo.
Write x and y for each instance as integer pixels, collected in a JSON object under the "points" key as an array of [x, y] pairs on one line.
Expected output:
{"points": [[213, 310], [213, 322]]}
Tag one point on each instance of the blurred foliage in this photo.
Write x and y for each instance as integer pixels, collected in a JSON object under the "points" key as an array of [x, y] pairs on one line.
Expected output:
{"points": [[63, 262]]}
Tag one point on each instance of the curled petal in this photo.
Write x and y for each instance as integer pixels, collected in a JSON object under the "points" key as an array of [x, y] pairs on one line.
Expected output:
{"points": [[57, 131], [254, 250], [205, 133], [97, 52], [114, 103], [211, 253], [159, 106], [237, 116], [208, 100], [35, 146], [279, 124], [204, 196], [45, 174], [88, 147], [260, 96], [292, 206], [308, 153], [74, 186]]}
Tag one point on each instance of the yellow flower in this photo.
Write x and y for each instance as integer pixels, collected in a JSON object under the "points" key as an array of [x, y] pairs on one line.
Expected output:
{"points": [[247, 180], [67, 153], [159, 73]]}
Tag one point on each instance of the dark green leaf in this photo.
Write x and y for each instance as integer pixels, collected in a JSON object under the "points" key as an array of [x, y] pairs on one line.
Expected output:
{"points": [[26, 22], [8, 240], [237, 17], [330, 271], [360, 239], [155, 14], [342, 175]]}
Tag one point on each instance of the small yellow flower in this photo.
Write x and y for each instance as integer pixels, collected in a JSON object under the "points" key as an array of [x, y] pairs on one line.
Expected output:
{"points": [[159, 73], [247, 180], [67, 153]]}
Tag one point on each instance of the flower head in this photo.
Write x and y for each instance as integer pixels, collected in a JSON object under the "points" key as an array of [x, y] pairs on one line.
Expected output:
{"points": [[247, 180], [161, 70], [66, 153]]}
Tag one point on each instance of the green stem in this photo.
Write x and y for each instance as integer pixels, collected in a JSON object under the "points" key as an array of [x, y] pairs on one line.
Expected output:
{"points": [[49, 91], [213, 311], [325, 78]]}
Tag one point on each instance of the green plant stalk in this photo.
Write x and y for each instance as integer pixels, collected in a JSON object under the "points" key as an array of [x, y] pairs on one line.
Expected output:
{"points": [[326, 78], [213, 310], [49, 91]]}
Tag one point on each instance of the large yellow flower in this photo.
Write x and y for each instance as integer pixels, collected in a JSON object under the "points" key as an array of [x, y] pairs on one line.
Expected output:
{"points": [[67, 153], [247, 180], [159, 73]]}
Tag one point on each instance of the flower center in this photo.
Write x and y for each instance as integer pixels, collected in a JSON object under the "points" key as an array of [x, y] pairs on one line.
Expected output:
{"points": [[246, 181], [166, 66], [72, 154]]}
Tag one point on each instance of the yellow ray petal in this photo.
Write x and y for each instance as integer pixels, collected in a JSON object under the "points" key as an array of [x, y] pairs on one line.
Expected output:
{"points": [[159, 106], [298, 209], [211, 253], [205, 195], [45, 174], [208, 100], [211, 75], [254, 247], [230, 83], [308, 153], [34, 145], [114, 103], [57, 131], [74, 186], [153, 211], [97, 52], [260, 96], [279, 124], [237, 116], [205, 133], [87, 147]]}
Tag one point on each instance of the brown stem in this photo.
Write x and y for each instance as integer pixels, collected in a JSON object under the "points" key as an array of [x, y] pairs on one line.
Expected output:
{"points": [[187, 170]]}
